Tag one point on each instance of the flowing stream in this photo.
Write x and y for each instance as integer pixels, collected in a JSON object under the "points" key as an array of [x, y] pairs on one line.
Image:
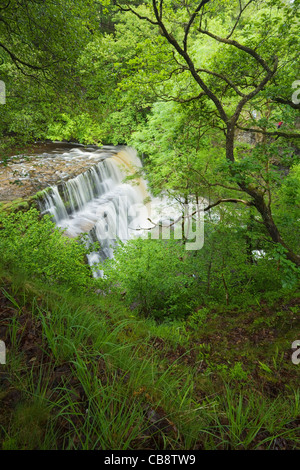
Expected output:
{"points": [[99, 203]]}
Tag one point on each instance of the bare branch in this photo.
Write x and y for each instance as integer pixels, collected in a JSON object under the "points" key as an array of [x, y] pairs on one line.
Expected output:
{"points": [[275, 133], [242, 9], [253, 93], [205, 209], [188, 100], [170, 38], [225, 79], [5, 6], [236, 44], [161, 9], [137, 14], [287, 102], [16, 59], [192, 19]]}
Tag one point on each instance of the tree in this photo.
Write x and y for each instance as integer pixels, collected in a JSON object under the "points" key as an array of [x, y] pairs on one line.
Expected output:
{"points": [[40, 43], [38, 36], [242, 74]]}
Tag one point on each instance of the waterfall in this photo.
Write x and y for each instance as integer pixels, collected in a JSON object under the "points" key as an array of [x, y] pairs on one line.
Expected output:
{"points": [[99, 203]]}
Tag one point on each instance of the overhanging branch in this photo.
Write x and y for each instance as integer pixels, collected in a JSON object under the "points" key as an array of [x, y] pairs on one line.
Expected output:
{"points": [[205, 209], [236, 44], [275, 133], [287, 102], [192, 19], [16, 59]]}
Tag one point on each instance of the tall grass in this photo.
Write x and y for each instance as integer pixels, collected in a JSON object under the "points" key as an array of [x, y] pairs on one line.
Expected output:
{"points": [[118, 392]]}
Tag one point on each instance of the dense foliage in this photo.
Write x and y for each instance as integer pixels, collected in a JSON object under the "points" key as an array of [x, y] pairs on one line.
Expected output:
{"points": [[33, 247], [197, 88], [172, 349]]}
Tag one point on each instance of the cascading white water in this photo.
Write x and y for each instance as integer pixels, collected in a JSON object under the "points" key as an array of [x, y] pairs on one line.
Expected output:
{"points": [[99, 203]]}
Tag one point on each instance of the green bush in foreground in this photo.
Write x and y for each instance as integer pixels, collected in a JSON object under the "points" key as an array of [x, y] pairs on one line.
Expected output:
{"points": [[163, 280], [33, 246], [156, 275]]}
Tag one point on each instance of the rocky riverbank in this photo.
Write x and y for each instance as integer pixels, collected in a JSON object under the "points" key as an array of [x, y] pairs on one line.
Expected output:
{"points": [[45, 165]]}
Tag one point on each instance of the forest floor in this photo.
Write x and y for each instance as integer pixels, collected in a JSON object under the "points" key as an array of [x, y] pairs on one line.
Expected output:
{"points": [[227, 384]]}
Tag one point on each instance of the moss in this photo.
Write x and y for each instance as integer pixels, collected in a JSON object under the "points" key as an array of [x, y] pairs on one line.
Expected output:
{"points": [[40, 194], [21, 204]]}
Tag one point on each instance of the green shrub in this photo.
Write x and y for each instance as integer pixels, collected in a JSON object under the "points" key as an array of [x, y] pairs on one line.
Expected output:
{"points": [[156, 276], [33, 246]]}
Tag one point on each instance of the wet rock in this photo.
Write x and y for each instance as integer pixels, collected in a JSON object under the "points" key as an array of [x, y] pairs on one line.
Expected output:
{"points": [[24, 175]]}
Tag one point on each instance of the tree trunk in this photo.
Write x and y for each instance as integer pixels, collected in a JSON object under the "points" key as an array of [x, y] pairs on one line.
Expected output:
{"points": [[258, 201], [272, 229]]}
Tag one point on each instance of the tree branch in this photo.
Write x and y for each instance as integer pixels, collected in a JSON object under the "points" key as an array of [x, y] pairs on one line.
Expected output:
{"points": [[192, 19], [253, 93], [225, 79], [16, 59], [275, 133], [239, 17], [170, 38], [236, 44], [220, 201], [137, 14], [288, 102]]}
